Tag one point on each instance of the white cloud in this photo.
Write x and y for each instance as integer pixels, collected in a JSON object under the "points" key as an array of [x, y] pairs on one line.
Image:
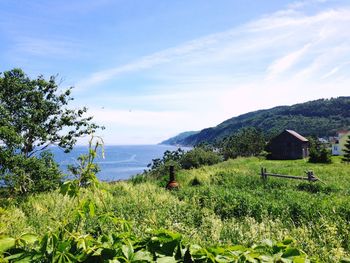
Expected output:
{"points": [[281, 33], [304, 3], [46, 47], [286, 62], [284, 58]]}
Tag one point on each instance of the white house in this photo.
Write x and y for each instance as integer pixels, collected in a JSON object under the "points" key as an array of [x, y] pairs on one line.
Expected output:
{"points": [[339, 142], [336, 149]]}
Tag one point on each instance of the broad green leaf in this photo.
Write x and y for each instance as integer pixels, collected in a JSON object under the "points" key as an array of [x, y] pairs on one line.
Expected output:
{"points": [[143, 256], [166, 260], [6, 243], [288, 240], [291, 252], [300, 259], [222, 259], [29, 238], [128, 251], [267, 242]]}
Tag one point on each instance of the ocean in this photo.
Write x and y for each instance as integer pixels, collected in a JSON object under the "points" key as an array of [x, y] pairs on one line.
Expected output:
{"points": [[120, 162]]}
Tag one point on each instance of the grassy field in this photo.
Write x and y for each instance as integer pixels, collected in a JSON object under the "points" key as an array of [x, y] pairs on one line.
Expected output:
{"points": [[230, 205]]}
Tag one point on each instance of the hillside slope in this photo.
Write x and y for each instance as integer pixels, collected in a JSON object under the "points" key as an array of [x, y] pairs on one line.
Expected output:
{"points": [[319, 117], [179, 138]]}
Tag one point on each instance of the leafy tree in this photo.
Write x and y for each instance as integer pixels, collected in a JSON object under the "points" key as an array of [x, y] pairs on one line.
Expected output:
{"points": [[159, 168], [198, 157], [346, 157], [318, 152], [168, 157], [246, 142], [34, 114], [32, 174]]}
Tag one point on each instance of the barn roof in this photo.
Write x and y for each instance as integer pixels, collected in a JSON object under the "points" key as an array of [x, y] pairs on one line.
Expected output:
{"points": [[297, 135]]}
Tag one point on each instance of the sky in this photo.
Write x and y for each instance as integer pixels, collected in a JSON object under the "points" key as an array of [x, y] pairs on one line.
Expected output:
{"points": [[150, 69]]}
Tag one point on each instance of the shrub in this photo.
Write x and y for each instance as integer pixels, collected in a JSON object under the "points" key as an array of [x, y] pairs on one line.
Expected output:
{"points": [[199, 157], [246, 142], [318, 152], [319, 155], [33, 174], [195, 158]]}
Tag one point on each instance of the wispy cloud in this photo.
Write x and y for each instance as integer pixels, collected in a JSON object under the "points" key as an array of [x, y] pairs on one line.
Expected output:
{"points": [[47, 47], [289, 36], [304, 3], [286, 62], [283, 58]]}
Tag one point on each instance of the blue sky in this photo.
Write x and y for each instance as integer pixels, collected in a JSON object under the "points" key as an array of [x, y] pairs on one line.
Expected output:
{"points": [[148, 69]]}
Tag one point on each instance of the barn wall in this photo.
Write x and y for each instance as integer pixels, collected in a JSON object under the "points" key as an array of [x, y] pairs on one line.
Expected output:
{"points": [[287, 147]]}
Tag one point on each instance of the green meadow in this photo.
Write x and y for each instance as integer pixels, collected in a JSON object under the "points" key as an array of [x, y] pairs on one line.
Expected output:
{"points": [[224, 204]]}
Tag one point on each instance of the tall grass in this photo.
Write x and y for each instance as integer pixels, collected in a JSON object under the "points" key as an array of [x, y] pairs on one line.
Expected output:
{"points": [[230, 205]]}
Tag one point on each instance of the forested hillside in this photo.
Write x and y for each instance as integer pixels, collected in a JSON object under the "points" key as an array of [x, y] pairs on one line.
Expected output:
{"points": [[320, 117], [178, 138]]}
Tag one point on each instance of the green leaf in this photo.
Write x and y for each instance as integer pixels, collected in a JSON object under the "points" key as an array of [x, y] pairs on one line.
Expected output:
{"points": [[128, 251], [70, 188], [166, 260], [91, 209], [143, 256], [300, 259], [27, 259], [29, 238], [7, 243], [288, 240], [291, 252]]}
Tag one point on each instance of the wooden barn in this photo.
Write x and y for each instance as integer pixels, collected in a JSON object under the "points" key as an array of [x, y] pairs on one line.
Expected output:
{"points": [[289, 145]]}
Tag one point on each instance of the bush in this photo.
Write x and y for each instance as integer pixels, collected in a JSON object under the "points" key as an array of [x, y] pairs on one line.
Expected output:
{"points": [[31, 175], [199, 157], [321, 156], [195, 158], [246, 142], [318, 152]]}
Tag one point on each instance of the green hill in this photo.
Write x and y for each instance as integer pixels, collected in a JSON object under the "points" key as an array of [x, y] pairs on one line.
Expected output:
{"points": [[321, 117], [179, 138]]}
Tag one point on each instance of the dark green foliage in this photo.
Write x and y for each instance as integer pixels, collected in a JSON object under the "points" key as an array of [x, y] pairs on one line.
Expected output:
{"points": [[33, 174], [195, 158], [195, 182], [320, 156], [199, 157], [159, 168], [34, 115], [320, 117], [246, 142], [346, 150], [168, 156], [318, 152]]}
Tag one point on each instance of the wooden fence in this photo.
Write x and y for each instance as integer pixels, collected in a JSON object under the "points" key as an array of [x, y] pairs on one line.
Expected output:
{"points": [[310, 176]]}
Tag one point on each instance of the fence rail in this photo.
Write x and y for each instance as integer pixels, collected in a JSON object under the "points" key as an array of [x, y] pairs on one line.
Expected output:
{"points": [[310, 176]]}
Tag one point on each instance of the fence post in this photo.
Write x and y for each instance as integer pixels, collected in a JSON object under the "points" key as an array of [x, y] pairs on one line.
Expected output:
{"points": [[310, 176], [263, 173]]}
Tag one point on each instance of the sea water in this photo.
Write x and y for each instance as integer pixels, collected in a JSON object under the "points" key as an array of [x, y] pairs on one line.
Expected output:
{"points": [[120, 162]]}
